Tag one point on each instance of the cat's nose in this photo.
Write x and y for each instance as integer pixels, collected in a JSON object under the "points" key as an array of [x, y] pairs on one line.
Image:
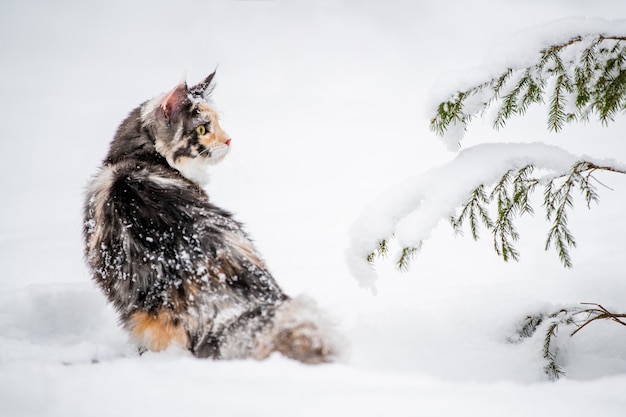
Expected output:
{"points": [[227, 142]]}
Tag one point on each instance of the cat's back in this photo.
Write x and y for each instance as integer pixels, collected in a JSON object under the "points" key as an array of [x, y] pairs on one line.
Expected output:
{"points": [[143, 184], [142, 234], [139, 201]]}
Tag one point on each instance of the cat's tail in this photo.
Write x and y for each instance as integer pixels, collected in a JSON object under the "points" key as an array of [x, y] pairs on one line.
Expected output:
{"points": [[301, 330], [296, 328]]}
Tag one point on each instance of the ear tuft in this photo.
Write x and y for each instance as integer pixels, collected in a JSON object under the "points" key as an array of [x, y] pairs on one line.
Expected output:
{"points": [[204, 88], [173, 102]]}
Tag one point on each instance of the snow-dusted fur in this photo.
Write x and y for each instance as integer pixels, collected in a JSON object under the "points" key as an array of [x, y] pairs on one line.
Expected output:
{"points": [[178, 269]]}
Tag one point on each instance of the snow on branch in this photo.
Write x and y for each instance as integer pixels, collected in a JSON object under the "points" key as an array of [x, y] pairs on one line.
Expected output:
{"points": [[577, 77], [549, 325], [461, 191]]}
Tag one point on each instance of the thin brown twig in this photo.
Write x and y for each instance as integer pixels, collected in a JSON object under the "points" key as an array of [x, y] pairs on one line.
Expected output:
{"points": [[601, 314], [590, 176], [594, 167]]}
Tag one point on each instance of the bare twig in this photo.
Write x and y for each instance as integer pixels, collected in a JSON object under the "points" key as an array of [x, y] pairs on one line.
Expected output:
{"points": [[598, 313]]}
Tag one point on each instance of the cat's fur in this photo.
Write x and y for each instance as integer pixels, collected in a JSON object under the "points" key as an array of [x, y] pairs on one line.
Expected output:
{"points": [[177, 268]]}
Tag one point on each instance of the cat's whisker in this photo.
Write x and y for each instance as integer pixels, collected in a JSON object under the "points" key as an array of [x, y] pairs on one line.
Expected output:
{"points": [[240, 166]]}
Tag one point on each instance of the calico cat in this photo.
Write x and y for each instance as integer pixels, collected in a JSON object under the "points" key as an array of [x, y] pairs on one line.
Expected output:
{"points": [[177, 268]]}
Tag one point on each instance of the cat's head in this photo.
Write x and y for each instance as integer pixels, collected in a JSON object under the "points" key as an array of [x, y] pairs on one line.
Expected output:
{"points": [[186, 129]]}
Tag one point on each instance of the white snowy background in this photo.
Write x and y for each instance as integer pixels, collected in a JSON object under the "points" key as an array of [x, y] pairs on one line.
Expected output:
{"points": [[326, 102]]}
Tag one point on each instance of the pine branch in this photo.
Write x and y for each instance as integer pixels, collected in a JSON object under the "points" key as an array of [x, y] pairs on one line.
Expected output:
{"points": [[499, 82], [407, 255], [587, 188], [611, 90], [596, 79], [556, 112], [556, 203], [511, 196], [450, 112], [576, 316], [503, 229], [528, 328], [523, 186], [584, 74], [558, 200], [473, 210], [510, 102], [551, 369], [534, 89], [381, 251], [549, 348]]}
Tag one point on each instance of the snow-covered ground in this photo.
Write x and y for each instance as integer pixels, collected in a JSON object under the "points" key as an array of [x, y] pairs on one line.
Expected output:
{"points": [[326, 103]]}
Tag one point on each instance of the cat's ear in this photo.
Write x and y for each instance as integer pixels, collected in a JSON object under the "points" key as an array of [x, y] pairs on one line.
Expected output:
{"points": [[203, 88], [174, 101]]}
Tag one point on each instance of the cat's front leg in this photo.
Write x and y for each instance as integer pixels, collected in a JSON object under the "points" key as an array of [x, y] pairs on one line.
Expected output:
{"points": [[157, 331]]}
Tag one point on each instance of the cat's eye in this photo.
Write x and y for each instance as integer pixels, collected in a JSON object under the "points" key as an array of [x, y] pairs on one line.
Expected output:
{"points": [[201, 130]]}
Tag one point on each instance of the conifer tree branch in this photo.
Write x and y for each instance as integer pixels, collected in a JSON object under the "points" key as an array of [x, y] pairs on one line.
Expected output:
{"points": [[408, 253], [551, 369], [511, 197], [595, 82], [473, 210], [550, 324], [556, 203], [381, 251]]}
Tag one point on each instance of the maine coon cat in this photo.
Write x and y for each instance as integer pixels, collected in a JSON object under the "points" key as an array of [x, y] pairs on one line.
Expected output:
{"points": [[177, 268]]}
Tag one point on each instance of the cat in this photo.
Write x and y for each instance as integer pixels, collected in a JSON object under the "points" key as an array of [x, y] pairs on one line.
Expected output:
{"points": [[178, 269]]}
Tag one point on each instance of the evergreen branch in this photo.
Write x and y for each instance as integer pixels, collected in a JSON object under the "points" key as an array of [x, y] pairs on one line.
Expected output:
{"points": [[511, 196], [567, 317], [556, 203], [556, 112], [527, 328], [381, 251], [583, 75], [510, 203], [522, 187], [570, 317], [473, 210], [558, 200], [499, 82], [552, 369], [549, 349], [587, 188], [503, 229], [547, 52], [406, 256], [611, 96], [510, 101], [596, 78], [451, 112], [533, 94], [383, 248]]}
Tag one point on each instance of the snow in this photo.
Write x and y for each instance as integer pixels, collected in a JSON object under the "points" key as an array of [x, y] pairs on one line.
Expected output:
{"points": [[325, 103], [520, 49]]}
